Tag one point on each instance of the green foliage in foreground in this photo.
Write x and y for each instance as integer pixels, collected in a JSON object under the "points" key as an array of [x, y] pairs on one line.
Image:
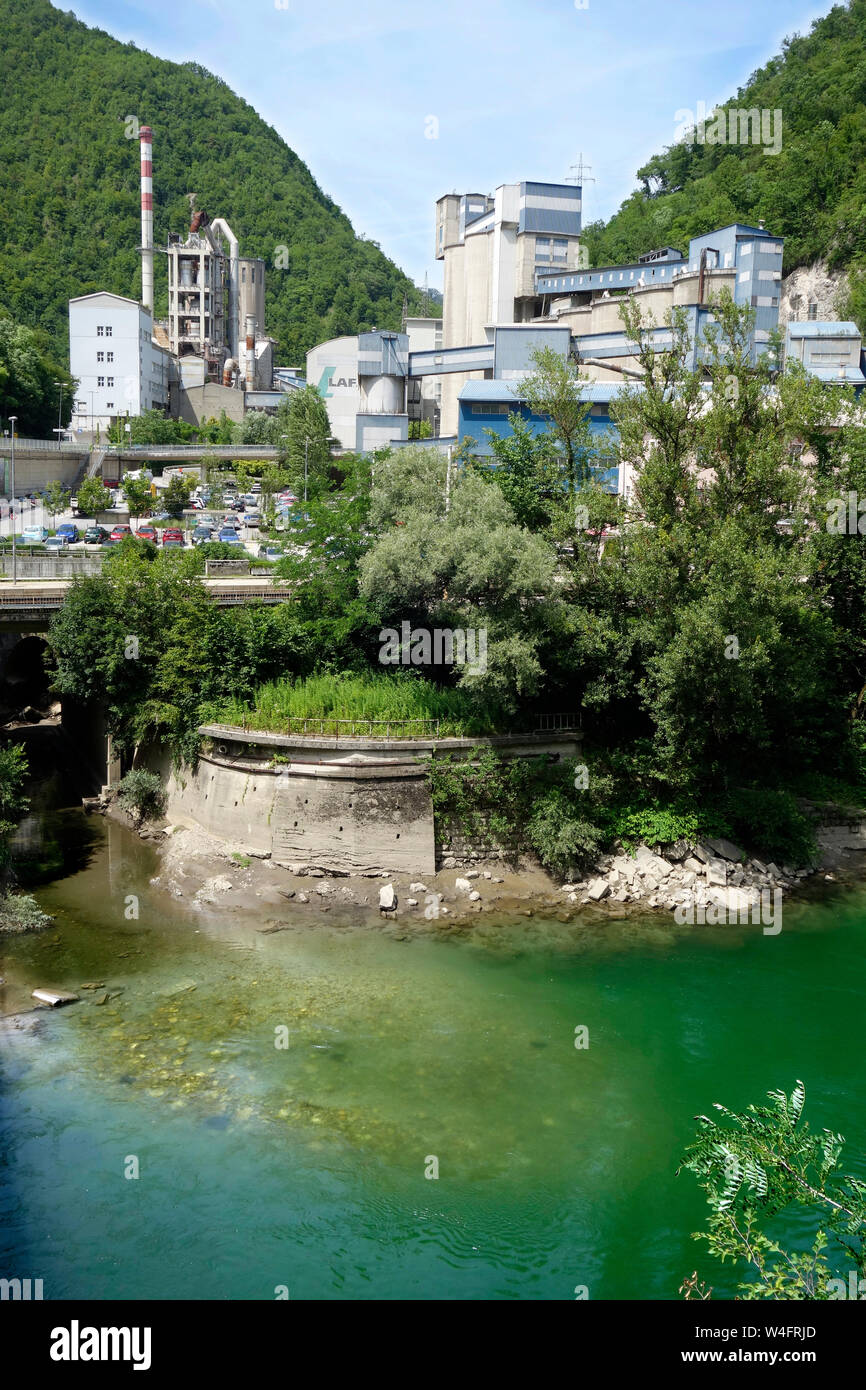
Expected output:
{"points": [[763, 1162], [407, 700]]}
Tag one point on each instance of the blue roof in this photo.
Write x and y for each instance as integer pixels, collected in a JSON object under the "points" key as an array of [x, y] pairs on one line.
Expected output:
{"points": [[827, 328]]}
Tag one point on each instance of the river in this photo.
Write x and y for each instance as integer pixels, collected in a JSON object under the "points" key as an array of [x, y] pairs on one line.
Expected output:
{"points": [[282, 1095]]}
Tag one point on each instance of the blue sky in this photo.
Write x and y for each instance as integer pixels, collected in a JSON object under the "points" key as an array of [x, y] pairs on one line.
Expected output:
{"points": [[519, 88]]}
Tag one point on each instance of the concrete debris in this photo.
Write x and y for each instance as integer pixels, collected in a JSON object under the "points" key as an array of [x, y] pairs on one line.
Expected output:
{"points": [[387, 898]]}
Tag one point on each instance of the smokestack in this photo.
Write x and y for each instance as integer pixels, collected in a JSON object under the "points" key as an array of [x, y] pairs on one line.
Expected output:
{"points": [[251, 352], [145, 135]]}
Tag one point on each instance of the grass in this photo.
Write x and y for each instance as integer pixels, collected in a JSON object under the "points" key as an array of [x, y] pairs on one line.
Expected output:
{"points": [[242, 859], [409, 703]]}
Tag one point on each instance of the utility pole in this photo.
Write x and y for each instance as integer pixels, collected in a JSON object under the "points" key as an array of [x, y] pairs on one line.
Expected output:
{"points": [[306, 451], [12, 422], [59, 411], [581, 175]]}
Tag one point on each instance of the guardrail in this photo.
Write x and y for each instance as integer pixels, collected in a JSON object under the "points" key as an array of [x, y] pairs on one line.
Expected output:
{"points": [[388, 729], [41, 446]]}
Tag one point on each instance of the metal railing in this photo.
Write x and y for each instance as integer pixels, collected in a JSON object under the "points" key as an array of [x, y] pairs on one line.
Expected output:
{"points": [[557, 723]]}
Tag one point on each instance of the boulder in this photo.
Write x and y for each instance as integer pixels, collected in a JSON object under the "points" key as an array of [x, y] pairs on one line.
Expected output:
{"points": [[725, 849], [597, 890], [411, 902], [695, 866], [462, 885], [717, 873], [474, 896], [387, 898], [417, 887], [302, 898], [450, 862], [678, 851], [471, 873], [655, 866]]}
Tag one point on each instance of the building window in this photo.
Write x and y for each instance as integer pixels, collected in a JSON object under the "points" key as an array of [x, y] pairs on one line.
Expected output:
{"points": [[813, 311], [252, 274], [109, 405], [109, 357], [243, 275], [100, 357], [110, 381], [108, 330], [100, 381], [99, 330]]}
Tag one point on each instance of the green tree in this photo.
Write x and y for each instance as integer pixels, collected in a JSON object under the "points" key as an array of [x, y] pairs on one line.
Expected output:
{"points": [[139, 498], [176, 495], [93, 498], [28, 371], [56, 499], [757, 1164], [525, 466], [553, 390], [306, 449]]}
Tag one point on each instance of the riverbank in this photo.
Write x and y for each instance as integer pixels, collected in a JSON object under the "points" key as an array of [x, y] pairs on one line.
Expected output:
{"points": [[710, 880]]}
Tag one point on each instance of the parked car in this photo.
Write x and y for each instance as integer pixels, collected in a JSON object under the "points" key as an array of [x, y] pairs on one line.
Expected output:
{"points": [[57, 542], [272, 553], [34, 535], [231, 520], [252, 519], [120, 533], [95, 535], [229, 536], [70, 531], [202, 534], [171, 544], [147, 533], [172, 535]]}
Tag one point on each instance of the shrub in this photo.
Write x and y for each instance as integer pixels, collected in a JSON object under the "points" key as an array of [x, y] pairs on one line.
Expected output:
{"points": [[20, 913], [771, 822], [141, 794]]}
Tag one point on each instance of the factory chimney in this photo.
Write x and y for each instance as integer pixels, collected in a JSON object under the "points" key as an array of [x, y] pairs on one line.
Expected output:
{"points": [[145, 135], [251, 352]]}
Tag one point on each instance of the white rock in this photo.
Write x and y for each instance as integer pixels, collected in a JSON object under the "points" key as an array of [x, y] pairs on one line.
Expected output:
{"points": [[474, 897], [417, 887], [717, 873], [487, 874], [302, 898], [572, 897], [462, 885], [411, 902], [472, 873], [387, 898], [597, 890], [694, 866]]}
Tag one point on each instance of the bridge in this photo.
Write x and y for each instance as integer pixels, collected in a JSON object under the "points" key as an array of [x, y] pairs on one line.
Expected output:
{"points": [[40, 462], [33, 603]]}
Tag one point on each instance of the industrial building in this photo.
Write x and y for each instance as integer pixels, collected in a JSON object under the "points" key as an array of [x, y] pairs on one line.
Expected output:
{"points": [[119, 368], [492, 249], [212, 354]]}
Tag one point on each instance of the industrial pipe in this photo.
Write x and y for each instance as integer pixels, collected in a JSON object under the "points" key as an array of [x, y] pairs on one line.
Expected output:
{"points": [[145, 136], [251, 352], [229, 370], [219, 224]]}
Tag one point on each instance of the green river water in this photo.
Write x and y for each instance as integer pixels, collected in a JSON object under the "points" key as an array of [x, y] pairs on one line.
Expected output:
{"points": [[304, 1166]]}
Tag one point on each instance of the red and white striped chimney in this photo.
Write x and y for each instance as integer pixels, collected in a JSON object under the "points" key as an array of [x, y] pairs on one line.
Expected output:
{"points": [[145, 135]]}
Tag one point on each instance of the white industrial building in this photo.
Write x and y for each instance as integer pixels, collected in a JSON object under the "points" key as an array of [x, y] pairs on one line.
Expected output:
{"points": [[492, 248], [119, 368]]}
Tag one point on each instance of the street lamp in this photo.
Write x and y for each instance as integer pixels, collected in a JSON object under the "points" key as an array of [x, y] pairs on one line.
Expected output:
{"points": [[12, 421], [59, 411]]}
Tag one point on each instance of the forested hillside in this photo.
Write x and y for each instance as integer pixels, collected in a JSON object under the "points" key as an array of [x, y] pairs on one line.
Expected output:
{"points": [[813, 192], [69, 185]]}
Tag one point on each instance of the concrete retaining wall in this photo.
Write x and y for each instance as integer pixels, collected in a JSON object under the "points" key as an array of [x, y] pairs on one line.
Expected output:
{"points": [[345, 806], [51, 566]]}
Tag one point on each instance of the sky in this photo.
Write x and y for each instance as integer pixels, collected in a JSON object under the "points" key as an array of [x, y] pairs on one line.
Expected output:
{"points": [[392, 103]]}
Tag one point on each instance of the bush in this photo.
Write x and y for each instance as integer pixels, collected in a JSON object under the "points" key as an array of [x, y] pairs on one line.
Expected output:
{"points": [[771, 822], [141, 794], [20, 913]]}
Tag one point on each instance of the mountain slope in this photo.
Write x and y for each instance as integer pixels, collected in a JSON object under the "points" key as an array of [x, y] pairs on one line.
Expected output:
{"points": [[69, 186], [813, 192]]}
